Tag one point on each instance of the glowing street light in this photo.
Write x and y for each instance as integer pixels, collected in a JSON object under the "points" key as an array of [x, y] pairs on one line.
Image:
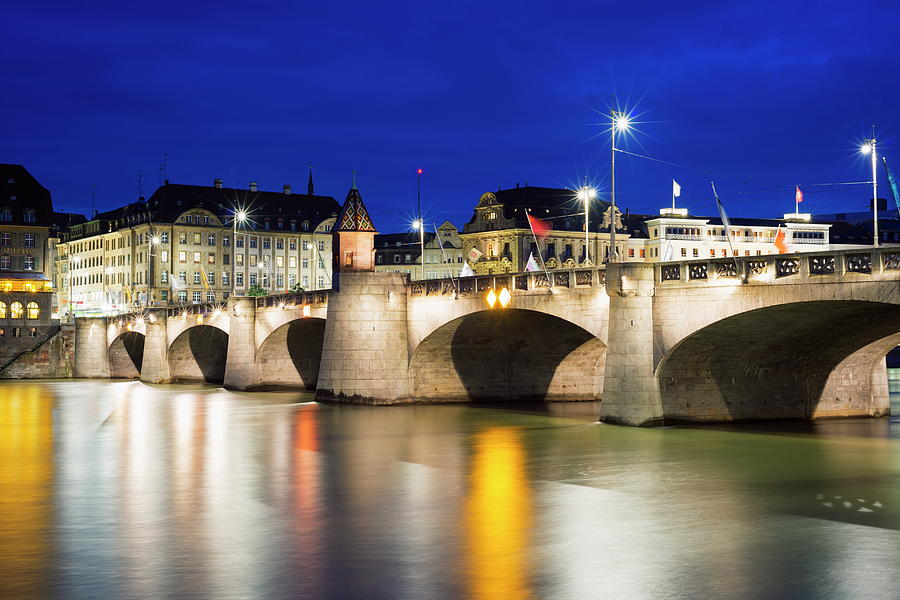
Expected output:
{"points": [[586, 194], [419, 225], [240, 216], [868, 148], [619, 123]]}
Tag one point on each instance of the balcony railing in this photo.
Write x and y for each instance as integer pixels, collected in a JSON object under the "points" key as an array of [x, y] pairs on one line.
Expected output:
{"points": [[807, 241], [683, 236]]}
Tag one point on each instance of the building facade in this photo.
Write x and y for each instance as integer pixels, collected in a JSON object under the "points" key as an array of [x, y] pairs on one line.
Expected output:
{"points": [[183, 245], [402, 253]]}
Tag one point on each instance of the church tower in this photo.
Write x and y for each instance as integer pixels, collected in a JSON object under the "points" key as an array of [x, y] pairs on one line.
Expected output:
{"points": [[353, 238]]}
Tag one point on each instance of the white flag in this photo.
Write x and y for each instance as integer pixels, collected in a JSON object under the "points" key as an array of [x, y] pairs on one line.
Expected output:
{"points": [[676, 189], [531, 265], [467, 271], [667, 255], [475, 254]]}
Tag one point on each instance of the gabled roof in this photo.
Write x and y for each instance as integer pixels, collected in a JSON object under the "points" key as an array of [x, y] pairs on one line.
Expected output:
{"points": [[354, 216], [21, 192], [559, 206]]}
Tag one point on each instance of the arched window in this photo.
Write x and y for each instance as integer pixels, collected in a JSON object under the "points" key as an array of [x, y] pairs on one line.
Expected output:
{"points": [[5, 215], [29, 216], [33, 311], [2, 310], [305, 225], [15, 310]]}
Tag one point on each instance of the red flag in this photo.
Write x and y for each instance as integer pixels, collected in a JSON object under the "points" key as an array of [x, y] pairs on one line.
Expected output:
{"points": [[538, 228], [798, 196], [779, 242]]}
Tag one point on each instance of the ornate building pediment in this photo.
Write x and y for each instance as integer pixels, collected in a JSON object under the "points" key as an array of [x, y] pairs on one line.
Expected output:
{"points": [[552, 263], [606, 218], [488, 199]]}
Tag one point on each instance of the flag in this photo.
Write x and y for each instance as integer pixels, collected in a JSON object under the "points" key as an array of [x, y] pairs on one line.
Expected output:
{"points": [[467, 271], [798, 195], [531, 265], [667, 255], [676, 189], [779, 242], [475, 254], [538, 227], [722, 214]]}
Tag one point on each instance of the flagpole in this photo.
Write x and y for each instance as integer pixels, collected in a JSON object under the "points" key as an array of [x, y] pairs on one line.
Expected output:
{"points": [[724, 223]]}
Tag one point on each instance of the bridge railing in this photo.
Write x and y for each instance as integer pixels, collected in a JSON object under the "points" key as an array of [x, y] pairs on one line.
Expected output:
{"points": [[318, 297], [523, 281], [768, 268]]}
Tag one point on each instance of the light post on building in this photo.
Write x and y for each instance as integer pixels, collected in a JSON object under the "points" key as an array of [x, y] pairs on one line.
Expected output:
{"points": [[585, 195], [420, 226], [154, 241], [240, 216], [619, 122], [868, 147]]}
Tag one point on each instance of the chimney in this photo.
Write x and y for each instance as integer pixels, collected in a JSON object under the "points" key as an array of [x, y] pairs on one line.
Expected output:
{"points": [[217, 182], [252, 186], [287, 189]]}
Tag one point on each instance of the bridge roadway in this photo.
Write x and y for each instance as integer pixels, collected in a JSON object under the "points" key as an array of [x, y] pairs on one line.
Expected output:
{"points": [[786, 336]]}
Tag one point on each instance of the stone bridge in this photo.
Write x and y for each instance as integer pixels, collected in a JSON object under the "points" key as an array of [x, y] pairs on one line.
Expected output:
{"points": [[789, 336]]}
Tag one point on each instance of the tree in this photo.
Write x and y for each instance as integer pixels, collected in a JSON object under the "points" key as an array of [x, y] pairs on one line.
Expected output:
{"points": [[296, 289], [257, 290]]}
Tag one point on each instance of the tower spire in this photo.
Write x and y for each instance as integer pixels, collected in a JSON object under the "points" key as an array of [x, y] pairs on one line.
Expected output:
{"points": [[353, 187], [309, 185]]}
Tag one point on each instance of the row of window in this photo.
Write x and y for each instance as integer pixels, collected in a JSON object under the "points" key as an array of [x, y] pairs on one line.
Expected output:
{"points": [[29, 240], [17, 332], [16, 310], [28, 262], [28, 215]]}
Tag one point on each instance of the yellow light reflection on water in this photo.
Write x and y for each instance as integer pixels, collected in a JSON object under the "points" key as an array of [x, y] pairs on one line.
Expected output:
{"points": [[498, 517], [26, 474]]}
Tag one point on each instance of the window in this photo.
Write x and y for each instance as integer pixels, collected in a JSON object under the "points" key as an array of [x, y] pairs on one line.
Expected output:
{"points": [[164, 277], [226, 241], [305, 245], [196, 239], [684, 252], [5, 215], [196, 257], [266, 224], [724, 252], [164, 256], [305, 226], [211, 278], [15, 310], [196, 276], [195, 297], [328, 227], [239, 260], [253, 242], [306, 262], [182, 277], [396, 258], [17, 332], [33, 311], [279, 244], [712, 252], [267, 243], [210, 296], [630, 252], [292, 244], [164, 237], [407, 258], [182, 296], [29, 263], [253, 258], [279, 281], [211, 258], [292, 280], [5, 239], [696, 252], [292, 262], [239, 279], [239, 242], [164, 295], [252, 278], [32, 332], [321, 246], [182, 238], [225, 278], [226, 259], [182, 257], [305, 281], [210, 240], [279, 262], [206, 221], [29, 240], [321, 281], [2, 310]]}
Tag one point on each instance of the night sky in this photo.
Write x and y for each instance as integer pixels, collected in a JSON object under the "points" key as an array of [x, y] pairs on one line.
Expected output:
{"points": [[761, 96]]}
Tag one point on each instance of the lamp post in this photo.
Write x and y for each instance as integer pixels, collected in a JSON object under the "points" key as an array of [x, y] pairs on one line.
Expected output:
{"points": [[868, 147], [154, 241], [418, 224], [586, 194], [619, 122], [240, 216]]}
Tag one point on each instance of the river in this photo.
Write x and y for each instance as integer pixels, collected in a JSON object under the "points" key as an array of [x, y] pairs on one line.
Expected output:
{"points": [[123, 490]]}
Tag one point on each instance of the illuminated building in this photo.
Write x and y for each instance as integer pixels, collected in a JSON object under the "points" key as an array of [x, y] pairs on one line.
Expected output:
{"points": [[182, 245], [401, 253]]}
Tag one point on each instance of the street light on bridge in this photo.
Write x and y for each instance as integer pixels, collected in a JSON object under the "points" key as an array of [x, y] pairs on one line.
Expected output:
{"points": [[585, 194], [240, 216], [619, 122], [868, 148]]}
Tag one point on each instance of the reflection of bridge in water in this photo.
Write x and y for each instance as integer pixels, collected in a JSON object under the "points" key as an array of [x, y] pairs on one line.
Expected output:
{"points": [[789, 336]]}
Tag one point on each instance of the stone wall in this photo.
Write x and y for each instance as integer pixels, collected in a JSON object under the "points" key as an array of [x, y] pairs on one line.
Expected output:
{"points": [[52, 359]]}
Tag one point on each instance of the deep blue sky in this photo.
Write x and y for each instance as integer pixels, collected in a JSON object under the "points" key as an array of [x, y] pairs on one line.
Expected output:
{"points": [[762, 95]]}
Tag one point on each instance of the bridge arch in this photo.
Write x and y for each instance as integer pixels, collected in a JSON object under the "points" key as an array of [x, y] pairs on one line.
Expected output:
{"points": [[821, 358], [290, 356], [126, 355], [198, 354], [507, 355]]}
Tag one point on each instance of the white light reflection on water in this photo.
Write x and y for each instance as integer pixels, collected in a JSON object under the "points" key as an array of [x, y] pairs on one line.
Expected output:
{"points": [[121, 490]]}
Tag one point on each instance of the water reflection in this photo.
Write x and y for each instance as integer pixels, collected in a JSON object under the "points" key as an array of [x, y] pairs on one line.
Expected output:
{"points": [[117, 490]]}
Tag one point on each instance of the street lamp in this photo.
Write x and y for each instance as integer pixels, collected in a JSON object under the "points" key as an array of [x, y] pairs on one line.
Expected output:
{"points": [[868, 148], [155, 240], [420, 226], [585, 195], [619, 122], [240, 216]]}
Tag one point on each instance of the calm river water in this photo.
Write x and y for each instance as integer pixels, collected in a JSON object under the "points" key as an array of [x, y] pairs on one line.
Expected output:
{"points": [[122, 490]]}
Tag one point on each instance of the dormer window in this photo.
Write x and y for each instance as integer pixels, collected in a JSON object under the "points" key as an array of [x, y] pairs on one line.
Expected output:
{"points": [[491, 215], [5, 215], [29, 216], [305, 225]]}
